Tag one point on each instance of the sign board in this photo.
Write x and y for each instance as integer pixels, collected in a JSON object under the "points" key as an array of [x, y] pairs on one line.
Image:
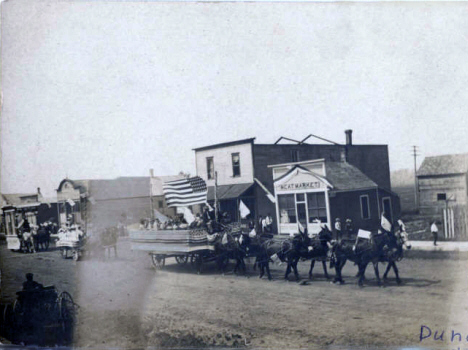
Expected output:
{"points": [[13, 242], [300, 182]]}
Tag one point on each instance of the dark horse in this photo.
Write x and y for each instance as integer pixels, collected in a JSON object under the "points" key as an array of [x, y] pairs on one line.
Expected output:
{"points": [[228, 247], [395, 252], [364, 252], [42, 238], [303, 247]]}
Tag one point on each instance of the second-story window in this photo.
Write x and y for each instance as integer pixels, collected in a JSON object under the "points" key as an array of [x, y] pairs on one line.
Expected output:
{"points": [[235, 164], [294, 155], [209, 168]]}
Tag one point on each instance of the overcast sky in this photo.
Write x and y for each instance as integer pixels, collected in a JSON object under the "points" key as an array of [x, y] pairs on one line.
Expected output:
{"points": [[100, 90]]}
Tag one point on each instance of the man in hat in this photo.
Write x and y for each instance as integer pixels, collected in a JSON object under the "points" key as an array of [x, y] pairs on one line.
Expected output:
{"points": [[30, 284], [434, 231], [349, 229], [339, 233]]}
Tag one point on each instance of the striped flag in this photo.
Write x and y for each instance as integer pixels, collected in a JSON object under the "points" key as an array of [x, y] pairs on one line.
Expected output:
{"points": [[185, 192]]}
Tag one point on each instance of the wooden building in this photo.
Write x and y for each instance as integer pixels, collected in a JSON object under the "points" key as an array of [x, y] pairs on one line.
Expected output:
{"points": [[355, 181], [442, 182]]}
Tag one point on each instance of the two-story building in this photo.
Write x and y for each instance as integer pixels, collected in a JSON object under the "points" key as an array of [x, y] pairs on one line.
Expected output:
{"points": [[301, 182]]}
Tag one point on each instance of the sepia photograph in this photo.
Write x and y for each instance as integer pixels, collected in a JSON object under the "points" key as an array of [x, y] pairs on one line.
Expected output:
{"points": [[234, 174]]}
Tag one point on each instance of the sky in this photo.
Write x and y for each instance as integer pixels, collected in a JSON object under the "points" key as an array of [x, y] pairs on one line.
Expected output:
{"points": [[105, 89]]}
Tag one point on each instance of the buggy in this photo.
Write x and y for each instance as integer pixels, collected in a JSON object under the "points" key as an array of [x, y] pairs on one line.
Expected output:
{"points": [[41, 316]]}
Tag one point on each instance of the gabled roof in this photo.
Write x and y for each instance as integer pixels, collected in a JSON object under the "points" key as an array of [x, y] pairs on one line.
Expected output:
{"points": [[18, 198], [444, 165], [346, 177]]}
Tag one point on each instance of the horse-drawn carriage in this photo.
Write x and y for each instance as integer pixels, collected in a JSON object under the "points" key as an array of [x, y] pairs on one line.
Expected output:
{"points": [[41, 316], [73, 241]]}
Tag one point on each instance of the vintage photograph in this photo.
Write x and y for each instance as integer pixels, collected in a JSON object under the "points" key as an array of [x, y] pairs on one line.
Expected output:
{"points": [[258, 175]]}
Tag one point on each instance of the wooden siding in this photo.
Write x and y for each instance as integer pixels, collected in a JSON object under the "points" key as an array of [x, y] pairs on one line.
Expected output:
{"points": [[454, 186]]}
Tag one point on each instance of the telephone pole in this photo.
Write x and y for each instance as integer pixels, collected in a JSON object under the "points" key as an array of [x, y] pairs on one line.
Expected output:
{"points": [[416, 185]]}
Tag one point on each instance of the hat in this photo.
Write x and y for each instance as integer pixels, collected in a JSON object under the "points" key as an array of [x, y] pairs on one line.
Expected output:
{"points": [[337, 219], [348, 220]]}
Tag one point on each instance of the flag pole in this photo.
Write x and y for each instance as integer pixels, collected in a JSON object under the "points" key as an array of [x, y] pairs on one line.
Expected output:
{"points": [[216, 195]]}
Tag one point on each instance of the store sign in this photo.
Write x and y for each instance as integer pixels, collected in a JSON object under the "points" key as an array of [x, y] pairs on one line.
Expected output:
{"points": [[299, 186]]}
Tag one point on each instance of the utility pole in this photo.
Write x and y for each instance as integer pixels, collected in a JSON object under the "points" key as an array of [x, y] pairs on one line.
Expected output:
{"points": [[416, 185], [151, 193], [216, 195]]}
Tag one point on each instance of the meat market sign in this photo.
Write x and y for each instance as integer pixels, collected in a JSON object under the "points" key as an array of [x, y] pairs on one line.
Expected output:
{"points": [[298, 186]]}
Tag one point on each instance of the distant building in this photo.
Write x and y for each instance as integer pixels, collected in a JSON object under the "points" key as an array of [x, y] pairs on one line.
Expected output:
{"points": [[300, 182], [30, 206], [442, 180], [104, 202]]}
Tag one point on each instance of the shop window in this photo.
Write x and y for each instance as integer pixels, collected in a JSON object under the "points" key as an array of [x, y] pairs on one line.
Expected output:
{"points": [[209, 168], [294, 155], [441, 196], [235, 164], [287, 208], [365, 210], [317, 207]]}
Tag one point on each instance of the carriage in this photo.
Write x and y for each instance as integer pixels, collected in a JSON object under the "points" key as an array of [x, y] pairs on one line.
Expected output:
{"points": [[73, 242], [41, 316]]}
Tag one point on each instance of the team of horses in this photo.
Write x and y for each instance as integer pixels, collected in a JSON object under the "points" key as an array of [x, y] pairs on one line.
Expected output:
{"points": [[382, 247]]}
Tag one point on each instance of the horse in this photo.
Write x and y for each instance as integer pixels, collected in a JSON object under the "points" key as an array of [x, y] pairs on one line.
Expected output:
{"points": [[361, 253], [41, 238], [27, 242], [228, 247], [109, 241], [261, 247], [319, 252], [395, 252]]}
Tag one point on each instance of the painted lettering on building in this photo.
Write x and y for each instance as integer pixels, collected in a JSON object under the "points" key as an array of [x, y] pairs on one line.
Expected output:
{"points": [[298, 186]]}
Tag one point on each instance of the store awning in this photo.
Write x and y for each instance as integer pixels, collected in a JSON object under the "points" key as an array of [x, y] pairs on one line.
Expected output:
{"points": [[229, 191], [28, 205]]}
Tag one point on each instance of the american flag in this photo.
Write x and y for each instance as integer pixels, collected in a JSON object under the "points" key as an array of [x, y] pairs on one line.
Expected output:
{"points": [[185, 192]]}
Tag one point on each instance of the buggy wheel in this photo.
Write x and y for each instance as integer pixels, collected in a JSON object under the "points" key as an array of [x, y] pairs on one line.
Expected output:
{"points": [[181, 259], [64, 252], [158, 260], [76, 255], [66, 313]]}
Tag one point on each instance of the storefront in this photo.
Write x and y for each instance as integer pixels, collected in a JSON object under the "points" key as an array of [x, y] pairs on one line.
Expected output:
{"points": [[301, 193]]}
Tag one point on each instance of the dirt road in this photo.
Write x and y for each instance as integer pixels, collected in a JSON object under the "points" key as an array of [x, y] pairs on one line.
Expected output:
{"points": [[125, 303]]}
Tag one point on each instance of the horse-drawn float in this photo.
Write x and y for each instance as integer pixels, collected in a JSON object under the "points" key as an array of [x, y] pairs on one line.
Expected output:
{"points": [[73, 241], [195, 246]]}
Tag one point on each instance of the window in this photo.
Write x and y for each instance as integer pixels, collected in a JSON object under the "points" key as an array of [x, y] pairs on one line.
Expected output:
{"points": [[365, 210], [287, 208], [317, 207], [235, 164], [294, 155], [160, 204], [209, 168], [441, 196]]}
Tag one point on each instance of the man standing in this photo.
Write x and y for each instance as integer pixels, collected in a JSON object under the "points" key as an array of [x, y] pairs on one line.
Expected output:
{"points": [[434, 230], [268, 223]]}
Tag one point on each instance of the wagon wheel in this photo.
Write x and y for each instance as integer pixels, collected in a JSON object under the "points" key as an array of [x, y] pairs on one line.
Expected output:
{"points": [[66, 314], [64, 252], [158, 260], [181, 259], [8, 324]]}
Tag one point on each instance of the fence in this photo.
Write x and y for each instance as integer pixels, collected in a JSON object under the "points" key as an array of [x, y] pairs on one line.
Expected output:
{"points": [[456, 222]]}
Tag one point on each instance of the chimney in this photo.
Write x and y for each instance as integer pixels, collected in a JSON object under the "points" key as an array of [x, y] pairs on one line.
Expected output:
{"points": [[38, 191], [151, 172], [349, 137]]}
